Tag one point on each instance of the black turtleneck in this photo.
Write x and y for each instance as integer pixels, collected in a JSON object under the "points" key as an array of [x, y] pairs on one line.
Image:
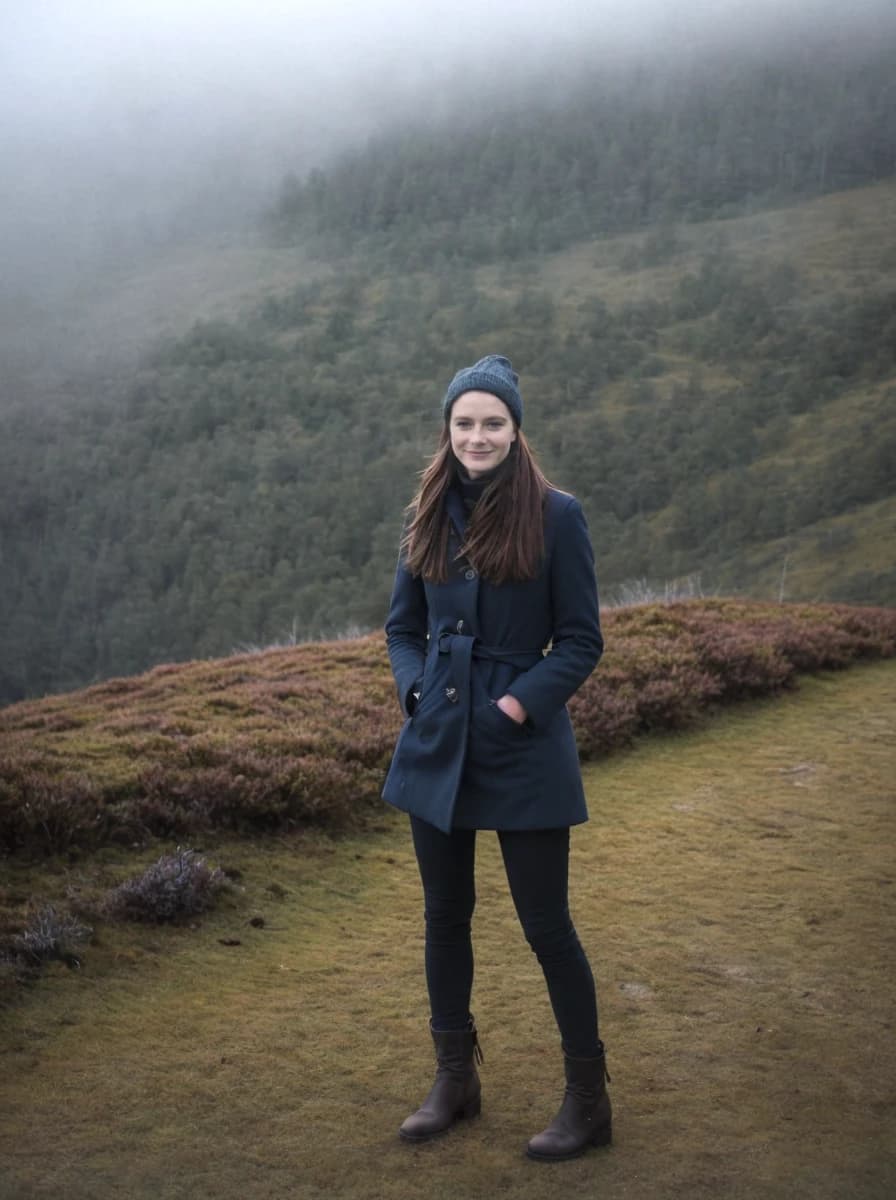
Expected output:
{"points": [[471, 489]]}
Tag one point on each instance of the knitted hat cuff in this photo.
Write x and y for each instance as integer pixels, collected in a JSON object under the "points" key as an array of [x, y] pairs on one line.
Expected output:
{"points": [[480, 378]]}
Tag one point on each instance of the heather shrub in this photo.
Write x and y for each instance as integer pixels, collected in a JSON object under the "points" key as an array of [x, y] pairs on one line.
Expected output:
{"points": [[874, 629], [175, 800], [45, 813], [244, 790], [743, 664], [178, 885], [830, 639], [604, 716], [810, 646], [674, 701], [303, 735], [50, 935]]}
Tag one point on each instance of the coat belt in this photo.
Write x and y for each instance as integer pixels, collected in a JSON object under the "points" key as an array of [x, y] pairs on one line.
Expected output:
{"points": [[463, 648]]}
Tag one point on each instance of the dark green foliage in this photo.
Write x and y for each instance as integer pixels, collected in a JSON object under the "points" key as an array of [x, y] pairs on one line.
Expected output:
{"points": [[622, 150], [238, 502], [226, 504]]}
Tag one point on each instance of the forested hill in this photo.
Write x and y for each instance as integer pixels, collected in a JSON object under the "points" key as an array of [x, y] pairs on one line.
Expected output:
{"points": [[711, 369], [602, 152]]}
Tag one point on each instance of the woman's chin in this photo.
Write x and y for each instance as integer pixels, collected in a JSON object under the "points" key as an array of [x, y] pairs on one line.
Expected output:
{"points": [[478, 466]]}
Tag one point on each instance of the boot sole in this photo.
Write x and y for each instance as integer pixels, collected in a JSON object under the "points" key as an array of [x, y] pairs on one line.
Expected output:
{"points": [[600, 1137]]}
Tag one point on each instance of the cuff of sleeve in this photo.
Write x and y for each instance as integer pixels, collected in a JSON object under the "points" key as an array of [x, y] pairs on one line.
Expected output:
{"points": [[536, 715]]}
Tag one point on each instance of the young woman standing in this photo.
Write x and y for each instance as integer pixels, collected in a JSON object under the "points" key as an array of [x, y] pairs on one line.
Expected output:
{"points": [[495, 567]]}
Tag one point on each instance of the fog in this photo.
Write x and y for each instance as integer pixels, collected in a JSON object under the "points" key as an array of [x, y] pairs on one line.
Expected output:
{"points": [[127, 127]]}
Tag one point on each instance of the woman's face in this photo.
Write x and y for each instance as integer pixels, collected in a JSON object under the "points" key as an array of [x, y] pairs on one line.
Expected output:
{"points": [[481, 431]]}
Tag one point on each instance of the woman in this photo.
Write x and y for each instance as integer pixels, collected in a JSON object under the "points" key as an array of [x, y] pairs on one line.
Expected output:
{"points": [[495, 566]]}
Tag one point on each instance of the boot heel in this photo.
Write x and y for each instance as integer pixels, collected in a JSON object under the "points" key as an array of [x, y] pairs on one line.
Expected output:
{"points": [[472, 1109], [603, 1136]]}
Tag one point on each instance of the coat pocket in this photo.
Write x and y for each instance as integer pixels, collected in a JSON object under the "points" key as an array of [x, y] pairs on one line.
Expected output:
{"points": [[490, 725], [504, 725], [503, 756]]}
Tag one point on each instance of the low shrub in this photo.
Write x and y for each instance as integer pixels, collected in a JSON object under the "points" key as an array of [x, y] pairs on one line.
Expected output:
{"points": [[49, 935], [604, 716], [178, 885], [743, 663], [251, 792], [303, 735], [46, 812]]}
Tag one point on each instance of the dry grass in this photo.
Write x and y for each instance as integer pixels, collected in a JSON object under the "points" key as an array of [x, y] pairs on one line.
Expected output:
{"points": [[735, 889]]}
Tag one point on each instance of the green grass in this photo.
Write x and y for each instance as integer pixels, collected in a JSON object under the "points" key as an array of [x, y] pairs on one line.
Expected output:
{"points": [[734, 888], [843, 245], [842, 241], [841, 548]]}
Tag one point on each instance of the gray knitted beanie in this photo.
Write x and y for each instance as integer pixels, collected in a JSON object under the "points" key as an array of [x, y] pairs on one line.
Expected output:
{"points": [[493, 374]]}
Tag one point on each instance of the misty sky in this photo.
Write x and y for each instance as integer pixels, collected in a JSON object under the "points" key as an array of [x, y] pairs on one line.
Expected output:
{"points": [[118, 118]]}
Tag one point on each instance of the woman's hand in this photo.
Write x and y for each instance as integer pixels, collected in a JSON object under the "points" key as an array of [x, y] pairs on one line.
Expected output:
{"points": [[512, 708]]}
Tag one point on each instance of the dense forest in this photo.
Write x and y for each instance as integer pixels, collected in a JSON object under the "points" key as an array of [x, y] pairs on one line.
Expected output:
{"points": [[605, 152], [708, 358]]}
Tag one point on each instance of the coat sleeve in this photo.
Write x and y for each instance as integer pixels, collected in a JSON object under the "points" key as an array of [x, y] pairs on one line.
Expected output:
{"points": [[577, 643], [406, 627]]}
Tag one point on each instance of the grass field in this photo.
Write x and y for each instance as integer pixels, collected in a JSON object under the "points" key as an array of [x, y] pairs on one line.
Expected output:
{"points": [[735, 890]]}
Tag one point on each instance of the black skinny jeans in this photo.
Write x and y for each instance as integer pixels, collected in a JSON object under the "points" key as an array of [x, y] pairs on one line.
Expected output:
{"points": [[537, 866]]}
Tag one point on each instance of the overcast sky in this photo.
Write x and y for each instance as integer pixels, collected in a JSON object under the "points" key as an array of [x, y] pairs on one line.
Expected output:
{"points": [[119, 115]]}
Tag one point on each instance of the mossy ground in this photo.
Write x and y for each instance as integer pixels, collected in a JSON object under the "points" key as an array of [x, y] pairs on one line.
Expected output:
{"points": [[734, 888]]}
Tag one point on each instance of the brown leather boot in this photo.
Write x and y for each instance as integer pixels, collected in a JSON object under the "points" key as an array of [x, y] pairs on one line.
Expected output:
{"points": [[456, 1092], [585, 1117]]}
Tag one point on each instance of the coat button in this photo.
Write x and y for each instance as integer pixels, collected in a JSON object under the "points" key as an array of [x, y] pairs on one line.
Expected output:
{"points": [[469, 574]]}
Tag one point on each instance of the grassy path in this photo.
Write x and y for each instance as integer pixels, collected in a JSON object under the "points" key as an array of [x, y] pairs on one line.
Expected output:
{"points": [[735, 889]]}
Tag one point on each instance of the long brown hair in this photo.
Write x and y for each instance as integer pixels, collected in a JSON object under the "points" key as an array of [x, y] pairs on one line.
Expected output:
{"points": [[505, 533]]}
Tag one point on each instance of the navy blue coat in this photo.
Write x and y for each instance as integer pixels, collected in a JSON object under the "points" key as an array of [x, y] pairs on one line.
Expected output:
{"points": [[460, 762]]}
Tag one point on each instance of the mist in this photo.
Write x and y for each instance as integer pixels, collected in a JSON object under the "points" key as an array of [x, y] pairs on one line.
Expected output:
{"points": [[129, 129]]}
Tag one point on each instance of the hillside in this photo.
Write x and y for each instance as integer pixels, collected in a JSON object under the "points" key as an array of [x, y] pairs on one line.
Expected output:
{"points": [[604, 151], [734, 888], [302, 736], [713, 375]]}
